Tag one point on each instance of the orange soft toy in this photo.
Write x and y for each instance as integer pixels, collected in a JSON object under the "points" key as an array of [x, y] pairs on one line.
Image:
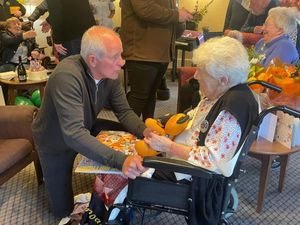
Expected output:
{"points": [[174, 125]]}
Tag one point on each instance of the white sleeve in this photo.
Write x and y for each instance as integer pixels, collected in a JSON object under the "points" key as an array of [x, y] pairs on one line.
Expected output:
{"points": [[220, 143]]}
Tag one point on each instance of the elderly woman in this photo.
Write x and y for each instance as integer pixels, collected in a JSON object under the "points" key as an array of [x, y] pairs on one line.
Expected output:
{"points": [[223, 117], [276, 42]]}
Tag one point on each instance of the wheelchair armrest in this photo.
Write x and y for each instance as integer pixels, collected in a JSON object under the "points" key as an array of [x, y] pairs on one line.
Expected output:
{"points": [[176, 165]]}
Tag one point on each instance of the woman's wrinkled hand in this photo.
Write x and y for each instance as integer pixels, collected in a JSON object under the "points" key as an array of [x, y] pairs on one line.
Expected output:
{"points": [[159, 143]]}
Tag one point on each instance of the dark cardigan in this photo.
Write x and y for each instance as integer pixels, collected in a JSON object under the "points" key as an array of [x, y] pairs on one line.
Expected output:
{"points": [[207, 194]]}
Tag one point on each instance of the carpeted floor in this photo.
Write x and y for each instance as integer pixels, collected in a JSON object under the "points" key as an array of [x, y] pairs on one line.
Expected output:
{"points": [[22, 201]]}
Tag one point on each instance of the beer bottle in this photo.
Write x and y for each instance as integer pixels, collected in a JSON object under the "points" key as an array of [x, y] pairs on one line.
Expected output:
{"points": [[21, 71]]}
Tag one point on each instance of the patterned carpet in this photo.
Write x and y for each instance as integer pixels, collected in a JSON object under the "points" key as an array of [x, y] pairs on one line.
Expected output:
{"points": [[22, 201]]}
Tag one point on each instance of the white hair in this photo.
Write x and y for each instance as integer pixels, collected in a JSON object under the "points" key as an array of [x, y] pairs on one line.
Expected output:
{"points": [[92, 41], [223, 56], [285, 18]]}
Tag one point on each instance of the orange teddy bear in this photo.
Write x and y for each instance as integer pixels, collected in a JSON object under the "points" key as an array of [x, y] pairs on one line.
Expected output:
{"points": [[174, 125]]}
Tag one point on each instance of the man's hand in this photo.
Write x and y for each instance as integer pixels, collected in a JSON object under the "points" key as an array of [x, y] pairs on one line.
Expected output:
{"points": [[45, 26], [258, 30], [132, 166], [60, 49], [184, 15], [29, 34]]}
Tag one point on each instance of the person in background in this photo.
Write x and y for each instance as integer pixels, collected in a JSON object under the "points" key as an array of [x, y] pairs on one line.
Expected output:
{"points": [[78, 89], [276, 43], [40, 10], [258, 13], [236, 15], [69, 19], [148, 31], [11, 8], [295, 35], [14, 43], [103, 11]]}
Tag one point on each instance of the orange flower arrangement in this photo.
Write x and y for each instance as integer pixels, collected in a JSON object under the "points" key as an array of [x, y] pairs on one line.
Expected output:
{"points": [[285, 76]]}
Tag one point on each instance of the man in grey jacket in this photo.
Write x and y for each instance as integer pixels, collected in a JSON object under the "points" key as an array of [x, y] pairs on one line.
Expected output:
{"points": [[78, 89]]}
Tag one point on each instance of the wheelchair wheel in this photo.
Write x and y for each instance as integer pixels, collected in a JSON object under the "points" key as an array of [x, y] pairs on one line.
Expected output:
{"points": [[233, 203]]}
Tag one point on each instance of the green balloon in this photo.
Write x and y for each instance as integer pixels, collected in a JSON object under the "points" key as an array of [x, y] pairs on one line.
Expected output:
{"points": [[20, 100], [36, 98]]}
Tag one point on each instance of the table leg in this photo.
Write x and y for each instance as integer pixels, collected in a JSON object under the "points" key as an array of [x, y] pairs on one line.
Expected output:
{"points": [[11, 96], [283, 164], [266, 162], [182, 58], [174, 69]]}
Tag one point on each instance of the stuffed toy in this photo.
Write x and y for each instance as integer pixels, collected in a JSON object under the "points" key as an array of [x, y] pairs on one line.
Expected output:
{"points": [[168, 125]]}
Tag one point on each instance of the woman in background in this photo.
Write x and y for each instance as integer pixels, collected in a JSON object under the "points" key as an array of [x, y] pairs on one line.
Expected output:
{"points": [[276, 42]]}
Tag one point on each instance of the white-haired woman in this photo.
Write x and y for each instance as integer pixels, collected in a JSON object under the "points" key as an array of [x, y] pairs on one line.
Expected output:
{"points": [[276, 42], [223, 117]]}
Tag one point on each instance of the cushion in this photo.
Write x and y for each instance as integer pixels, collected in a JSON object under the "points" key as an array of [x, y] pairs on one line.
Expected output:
{"points": [[12, 151], [186, 73]]}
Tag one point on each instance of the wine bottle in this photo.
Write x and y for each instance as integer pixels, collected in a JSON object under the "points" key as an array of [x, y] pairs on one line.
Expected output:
{"points": [[21, 71]]}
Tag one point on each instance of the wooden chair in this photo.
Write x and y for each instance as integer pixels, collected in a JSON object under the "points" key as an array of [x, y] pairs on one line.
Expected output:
{"points": [[16, 141]]}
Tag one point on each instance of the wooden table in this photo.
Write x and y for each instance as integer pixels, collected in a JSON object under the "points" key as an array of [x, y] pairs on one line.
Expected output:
{"points": [[266, 152], [15, 84]]}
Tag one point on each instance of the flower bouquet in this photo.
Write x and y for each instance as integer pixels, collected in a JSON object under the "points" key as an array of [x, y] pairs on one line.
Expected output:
{"points": [[282, 75], [199, 13]]}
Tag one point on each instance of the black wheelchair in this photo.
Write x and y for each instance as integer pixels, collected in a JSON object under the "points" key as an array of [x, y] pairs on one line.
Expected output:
{"points": [[180, 198]]}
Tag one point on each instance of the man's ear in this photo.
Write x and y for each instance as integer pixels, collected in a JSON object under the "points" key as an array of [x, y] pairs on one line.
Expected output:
{"points": [[91, 60]]}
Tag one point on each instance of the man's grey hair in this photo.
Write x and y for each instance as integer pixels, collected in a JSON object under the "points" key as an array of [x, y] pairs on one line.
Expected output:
{"points": [[92, 41], [285, 18], [223, 56]]}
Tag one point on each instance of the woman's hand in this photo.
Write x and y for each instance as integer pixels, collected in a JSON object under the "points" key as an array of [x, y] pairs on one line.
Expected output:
{"points": [[159, 143]]}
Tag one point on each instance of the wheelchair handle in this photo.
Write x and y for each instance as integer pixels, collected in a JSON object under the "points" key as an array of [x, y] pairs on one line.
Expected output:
{"points": [[282, 108], [266, 84]]}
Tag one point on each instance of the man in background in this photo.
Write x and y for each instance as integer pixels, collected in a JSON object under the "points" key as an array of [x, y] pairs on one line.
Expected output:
{"points": [[148, 30], [258, 13], [69, 19]]}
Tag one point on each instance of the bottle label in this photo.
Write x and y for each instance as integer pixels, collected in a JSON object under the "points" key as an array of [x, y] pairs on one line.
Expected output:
{"points": [[22, 78]]}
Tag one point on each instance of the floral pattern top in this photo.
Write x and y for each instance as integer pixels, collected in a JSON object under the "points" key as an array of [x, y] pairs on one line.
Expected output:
{"points": [[220, 143]]}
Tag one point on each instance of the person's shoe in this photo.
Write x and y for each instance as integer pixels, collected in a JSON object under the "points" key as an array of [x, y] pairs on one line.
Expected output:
{"points": [[163, 94], [163, 84]]}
